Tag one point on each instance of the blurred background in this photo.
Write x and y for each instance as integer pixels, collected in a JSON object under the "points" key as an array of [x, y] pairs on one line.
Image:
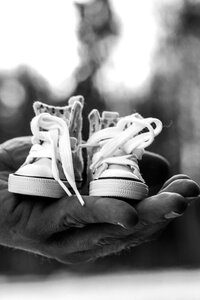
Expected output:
{"points": [[124, 56]]}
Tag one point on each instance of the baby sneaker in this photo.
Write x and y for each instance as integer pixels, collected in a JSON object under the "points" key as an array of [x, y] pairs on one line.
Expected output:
{"points": [[54, 165], [114, 147]]}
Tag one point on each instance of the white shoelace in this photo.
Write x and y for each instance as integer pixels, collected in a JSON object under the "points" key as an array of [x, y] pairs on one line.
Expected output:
{"points": [[123, 144], [56, 146]]}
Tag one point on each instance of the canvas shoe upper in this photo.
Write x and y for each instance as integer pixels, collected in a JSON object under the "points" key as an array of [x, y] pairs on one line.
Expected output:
{"points": [[114, 147], [54, 164]]}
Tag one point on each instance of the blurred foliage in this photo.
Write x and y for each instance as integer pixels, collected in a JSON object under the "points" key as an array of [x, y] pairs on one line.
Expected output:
{"points": [[173, 97]]}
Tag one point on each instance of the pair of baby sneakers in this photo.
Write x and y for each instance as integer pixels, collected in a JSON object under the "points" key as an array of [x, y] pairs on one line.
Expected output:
{"points": [[54, 165]]}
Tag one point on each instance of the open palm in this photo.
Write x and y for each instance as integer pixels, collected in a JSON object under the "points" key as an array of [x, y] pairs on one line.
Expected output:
{"points": [[64, 230]]}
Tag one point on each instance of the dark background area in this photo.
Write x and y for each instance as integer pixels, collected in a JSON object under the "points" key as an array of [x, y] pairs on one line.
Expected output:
{"points": [[174, 97]]}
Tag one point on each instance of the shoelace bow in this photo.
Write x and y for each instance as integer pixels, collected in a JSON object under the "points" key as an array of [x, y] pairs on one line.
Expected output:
{"points": [[129, 138], [55, 145]]}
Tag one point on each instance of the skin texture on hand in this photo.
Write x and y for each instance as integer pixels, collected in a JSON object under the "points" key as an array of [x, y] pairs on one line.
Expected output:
{"points": [[64, 230]]}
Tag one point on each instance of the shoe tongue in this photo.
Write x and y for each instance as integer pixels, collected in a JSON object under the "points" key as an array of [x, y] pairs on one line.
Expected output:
{"points": [[71, 113], [64, 112], [109, 119]]}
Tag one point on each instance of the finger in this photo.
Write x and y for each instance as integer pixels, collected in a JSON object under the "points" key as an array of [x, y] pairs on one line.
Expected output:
{"points": [[163, 206], [98, 210], [173, 178], [183, 186], [155, 169], [14, 152], [48, 217], [82, 244]]}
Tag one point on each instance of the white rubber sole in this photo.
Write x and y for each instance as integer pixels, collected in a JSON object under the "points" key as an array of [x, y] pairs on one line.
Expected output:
{"points": [[35, 186], [118, 187]]}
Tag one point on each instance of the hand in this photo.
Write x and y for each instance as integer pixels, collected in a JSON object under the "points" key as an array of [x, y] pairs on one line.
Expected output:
{"points": [[64, 230]]}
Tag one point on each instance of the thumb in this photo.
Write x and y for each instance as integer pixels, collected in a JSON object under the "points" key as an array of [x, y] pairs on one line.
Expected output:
{"points": [[13, 153], [67, 212]]}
